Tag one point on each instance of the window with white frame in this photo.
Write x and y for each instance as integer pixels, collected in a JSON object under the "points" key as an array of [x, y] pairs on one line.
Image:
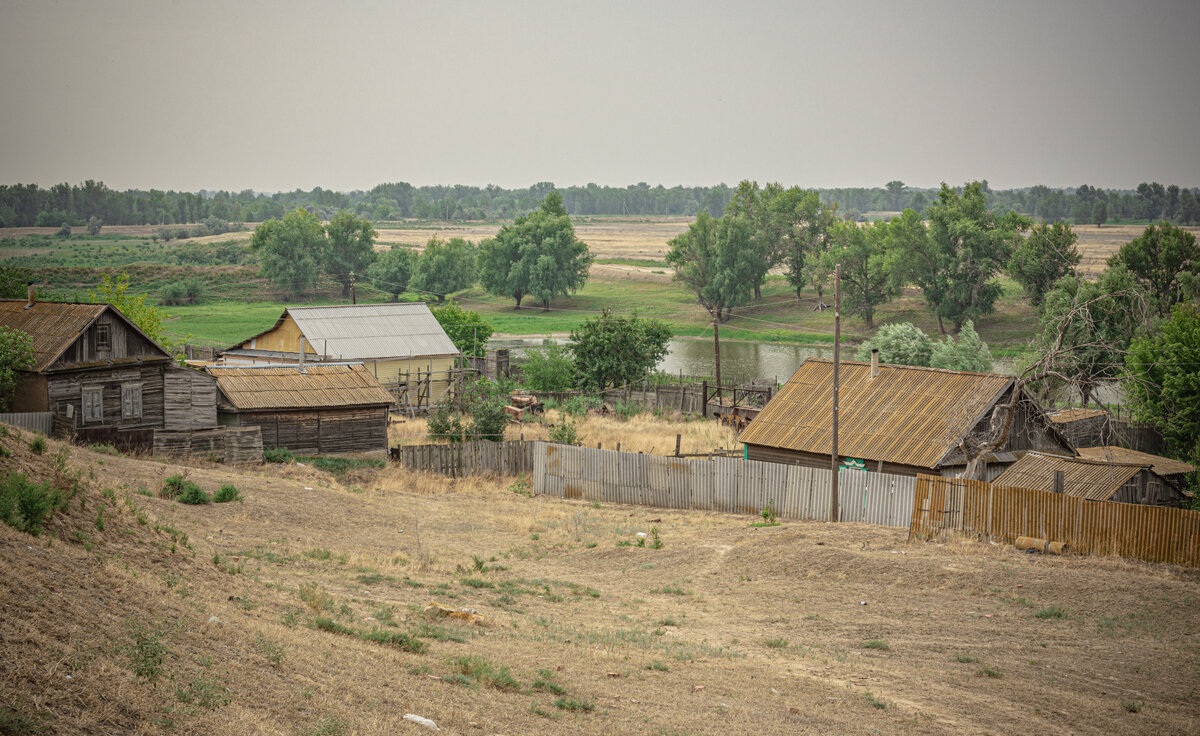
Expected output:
{"points": [[93, 404], [131, 401]]}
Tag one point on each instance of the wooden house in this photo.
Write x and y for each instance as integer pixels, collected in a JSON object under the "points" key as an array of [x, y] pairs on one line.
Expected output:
{"points": [[893, 418], [94, 369], [402, 345], [1093, 479], [314, 409]]}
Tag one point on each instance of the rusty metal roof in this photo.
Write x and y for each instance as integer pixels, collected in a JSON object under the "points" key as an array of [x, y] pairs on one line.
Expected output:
{"points": [[55, 326], [320, 386], [369, 331], [1161, 465], [1095, 480], [906, 414], [1066, 416]]}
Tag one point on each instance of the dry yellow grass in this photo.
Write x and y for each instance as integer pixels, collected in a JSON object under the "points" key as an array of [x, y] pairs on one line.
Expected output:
{"points": [[725, 628], [643, 432]]}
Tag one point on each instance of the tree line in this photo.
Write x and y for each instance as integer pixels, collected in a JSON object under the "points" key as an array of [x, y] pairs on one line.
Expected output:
{"points": [[27, 205]]}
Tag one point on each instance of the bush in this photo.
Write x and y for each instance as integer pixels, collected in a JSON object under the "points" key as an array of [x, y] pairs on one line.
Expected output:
{"points": [[94, 224], [566, 432], [548, 369], [278, 455], [64, 231], [228, 492], [176, 488], [444, 424], [187, 291], [193, 495], [579, 405], [24, 505], [37, 445]]}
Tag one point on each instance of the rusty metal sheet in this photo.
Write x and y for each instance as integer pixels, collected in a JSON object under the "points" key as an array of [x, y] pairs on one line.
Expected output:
{"points": [[1097, 480], [318, 386]]}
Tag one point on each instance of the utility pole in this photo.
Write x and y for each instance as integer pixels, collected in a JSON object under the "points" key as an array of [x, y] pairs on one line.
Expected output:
{"points": [[837, 358], [353, 295], [717, 355]]}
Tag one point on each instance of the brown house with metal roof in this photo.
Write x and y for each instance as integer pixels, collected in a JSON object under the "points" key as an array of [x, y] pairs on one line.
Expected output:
{"points": [[1095, 480], [895, 418], [313, 409], [94, 369]]}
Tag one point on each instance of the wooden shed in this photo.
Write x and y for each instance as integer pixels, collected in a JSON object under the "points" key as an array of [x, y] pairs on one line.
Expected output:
{"points": [[1093, 479], [315, 409], [95, 370], [893, 418], [401, 344], [1174, 471]]}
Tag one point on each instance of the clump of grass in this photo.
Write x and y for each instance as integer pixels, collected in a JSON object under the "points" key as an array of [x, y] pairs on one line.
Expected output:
{"points": [[178, 488], [775, 643], [318, 553], [875, 644], [988, 672], [315, 597], [278, 455], [269, 649], [1051, 612], [965, 658], [25, 505], [1132, 706], [658, 666], [484, 672], [545, 683], [874, 701], [670, 590], [146, 654], [574, 704], [476, 583], [193, 495], [37, 445], [396, 639], [205, 692], [228, 492]]}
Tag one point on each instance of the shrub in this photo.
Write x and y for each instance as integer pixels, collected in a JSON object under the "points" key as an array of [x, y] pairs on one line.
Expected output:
{"points": [[177, 488], [444, 424], [187, 291], [93, 225], [548, 369], [24, 505], [37, 445], [566, 432], [193, 495], [278, 455], [579, 405], [228, 492], [64, 231]]}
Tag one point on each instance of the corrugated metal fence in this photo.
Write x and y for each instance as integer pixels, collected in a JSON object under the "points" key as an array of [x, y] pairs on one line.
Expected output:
{"points": [[468, 458], [36, 421], [1150, 533], [720, 484]]}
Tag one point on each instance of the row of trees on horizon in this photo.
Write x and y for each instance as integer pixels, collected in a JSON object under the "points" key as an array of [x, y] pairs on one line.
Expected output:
{"points": [[28, 205]]}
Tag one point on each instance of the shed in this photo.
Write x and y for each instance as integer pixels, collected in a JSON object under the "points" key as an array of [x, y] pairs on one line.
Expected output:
{"points": [[1095, 480], [895, 418], [324, 408], [96, 370], [401, 344], [1083, 426], [1172, 470]]}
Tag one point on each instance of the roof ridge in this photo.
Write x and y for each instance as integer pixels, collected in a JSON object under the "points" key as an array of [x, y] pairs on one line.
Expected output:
{"points": [[907, 367]]}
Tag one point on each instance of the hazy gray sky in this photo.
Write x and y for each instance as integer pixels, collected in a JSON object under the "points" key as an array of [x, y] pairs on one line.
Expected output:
{"points": [[344, 95]]}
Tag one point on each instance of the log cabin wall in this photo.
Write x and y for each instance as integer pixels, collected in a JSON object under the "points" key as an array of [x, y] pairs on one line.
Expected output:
{"points": [[319, 432], [66, 389], [190, 399]]}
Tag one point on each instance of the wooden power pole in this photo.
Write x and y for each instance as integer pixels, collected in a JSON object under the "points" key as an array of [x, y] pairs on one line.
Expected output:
{"points": [[837, 357], [717, 355]]}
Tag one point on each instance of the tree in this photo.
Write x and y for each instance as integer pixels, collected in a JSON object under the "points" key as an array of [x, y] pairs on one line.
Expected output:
{"points": [[13, 281], [1044, 257], [1100, 213], [802, 223], [94, 224], [966, 248], [896, 195], [714, 260], [614, 351], [16, 355], [537, 255], [147, 317], [967, 353], [1166, 386], [391, 271], [548, 369], [767, 233], [466, 329], [350, 248], [290, 250], [866, 280], [1165, 260], [444, 267], [900, 343]]}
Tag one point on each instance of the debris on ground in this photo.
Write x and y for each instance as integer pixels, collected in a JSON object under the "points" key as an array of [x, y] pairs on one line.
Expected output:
{"points": [[437, 610]]}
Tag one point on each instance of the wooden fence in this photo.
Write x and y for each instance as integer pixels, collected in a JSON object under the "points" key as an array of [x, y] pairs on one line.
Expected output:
{"points": [[720, 484], [1150, 533], [469, 458], [225, 444], [34, 421]]}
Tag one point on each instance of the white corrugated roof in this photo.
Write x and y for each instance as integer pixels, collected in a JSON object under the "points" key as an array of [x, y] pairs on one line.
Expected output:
{"points": [[373, 331]]}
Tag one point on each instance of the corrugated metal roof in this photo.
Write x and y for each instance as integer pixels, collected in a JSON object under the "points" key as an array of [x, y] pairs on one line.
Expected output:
{"points": [[371, 331], [1161, 465], [52, 325], [906, 414], [1091, 479], [1065, 416], [321, 386]]}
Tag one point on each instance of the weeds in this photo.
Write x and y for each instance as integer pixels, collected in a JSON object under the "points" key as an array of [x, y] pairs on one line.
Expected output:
{"points": [[1132, 706], [965, 659], [278, 455], [269, 649], [545, 683], [315, 597], [227, 493], [37, 445], [658, 666], [775, 643], [574, 705], [875, 644], [146, 654], [657, 542], [205, 692], [396, 639], [988, 672], [1051, 612], [522, 487], [874, 701], [25, 505], [484, 672]]}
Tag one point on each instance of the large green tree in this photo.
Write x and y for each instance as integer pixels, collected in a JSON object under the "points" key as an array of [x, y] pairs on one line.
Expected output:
{"points": [[538, 255], [1164, 380], [967, 353], [715, 261], [290, 251], [16, 355], [350, 248], [465, 328], [391, 271], [866, 279], [1046, 255], [966, 249], [1166, 262], [900, 343], [614, 351], [767, 233], [444, 267]]}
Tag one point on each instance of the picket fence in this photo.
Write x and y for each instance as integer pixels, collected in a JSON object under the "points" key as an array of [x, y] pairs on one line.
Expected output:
{"points": [[1149, 533], [720, 484]]}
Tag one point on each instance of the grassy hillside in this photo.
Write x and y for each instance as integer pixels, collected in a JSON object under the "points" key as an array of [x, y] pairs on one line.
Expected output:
{"points": [[302, 610]]}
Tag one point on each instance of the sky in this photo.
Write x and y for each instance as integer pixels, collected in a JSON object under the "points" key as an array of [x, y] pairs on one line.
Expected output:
{"points": [[271, 96]]}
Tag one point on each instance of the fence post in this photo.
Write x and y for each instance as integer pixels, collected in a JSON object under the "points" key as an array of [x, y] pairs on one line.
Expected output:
{"points": [[704, 398], [678, 437]]}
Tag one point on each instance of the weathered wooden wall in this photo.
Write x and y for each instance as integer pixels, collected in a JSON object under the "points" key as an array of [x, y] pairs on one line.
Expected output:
{"points": [[317, 432], [469, 458], [67, 388], [189, 399], [124, 342], [1150, 533], [224, 444]]}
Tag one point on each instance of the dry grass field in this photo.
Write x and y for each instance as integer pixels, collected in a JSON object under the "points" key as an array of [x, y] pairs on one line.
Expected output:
{"points": [[301, 611]]}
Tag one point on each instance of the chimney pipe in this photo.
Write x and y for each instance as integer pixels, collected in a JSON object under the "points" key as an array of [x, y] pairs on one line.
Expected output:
{"points": [[302, 350], [874, 362], [32, 295]]}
